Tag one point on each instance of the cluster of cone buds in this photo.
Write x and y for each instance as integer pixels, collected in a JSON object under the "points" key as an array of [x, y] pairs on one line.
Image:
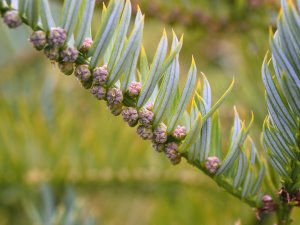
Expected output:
{"points": [[145, 117], [53, 44], [114, 96], [212, 164], [114, 101], [179, 133], [86, 45], [161, 140], [38, 39], [160, 135], [56, 50], [84, 75], [95, 80], [131, 116], [99, 77], [12, 19], [134, 89], [172, 154]]}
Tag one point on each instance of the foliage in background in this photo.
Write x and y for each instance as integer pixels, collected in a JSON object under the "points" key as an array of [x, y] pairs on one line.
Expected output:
{"points": [[54, 213], [281, 131]]}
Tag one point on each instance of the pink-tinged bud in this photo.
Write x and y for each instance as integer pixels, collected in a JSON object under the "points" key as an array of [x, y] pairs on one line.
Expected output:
{"points": [[160, 134], [179, 133], [66, 67], [57, 37], [267, 199], [69, 54], [145, 132], [86, 45], [116, 110], [130, 115], [38, 39], [100, 75], [134, 89], [52, 53], [83, 73], [158, 147], [12, 19], [98, 91], [172, 154], [212, 164], [114, 96], [145, 117]]}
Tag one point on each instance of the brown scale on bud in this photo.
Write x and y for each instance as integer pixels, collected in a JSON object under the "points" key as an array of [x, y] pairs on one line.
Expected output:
{"points": [[116, 109], [290, 198], [66, 67], [145, 132], [52, 53], [130, 115], [86, 45], [38, 39], [69, 54], [284, 195], [158, 147], [98, 91], [212, 164], [160, 134], [114, 96], [297, 197], [149, 106], [172, 154], [100, 75], [134, 88], [57, 37], [179, 133], [145, 117], [12, 19]]}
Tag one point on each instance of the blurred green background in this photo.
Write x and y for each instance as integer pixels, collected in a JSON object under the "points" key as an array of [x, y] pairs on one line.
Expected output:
{"points": [[53, 131]]}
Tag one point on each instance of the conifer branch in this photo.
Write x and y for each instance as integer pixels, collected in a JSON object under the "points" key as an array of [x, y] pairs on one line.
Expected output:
{"points": [[114, 66]]}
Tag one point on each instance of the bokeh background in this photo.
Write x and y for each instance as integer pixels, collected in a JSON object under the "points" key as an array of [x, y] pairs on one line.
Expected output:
{"points": [[62, 153]]}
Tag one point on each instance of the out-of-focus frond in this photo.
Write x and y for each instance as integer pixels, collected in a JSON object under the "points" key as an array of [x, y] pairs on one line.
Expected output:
{"points": [[281, 76], [51, 213]]}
